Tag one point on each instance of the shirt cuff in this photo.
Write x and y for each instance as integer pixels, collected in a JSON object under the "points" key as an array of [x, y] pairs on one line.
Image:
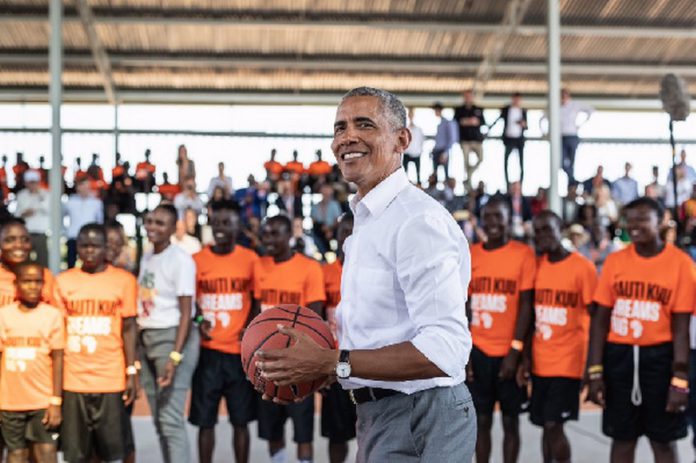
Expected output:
{"points": [[443, 355]]}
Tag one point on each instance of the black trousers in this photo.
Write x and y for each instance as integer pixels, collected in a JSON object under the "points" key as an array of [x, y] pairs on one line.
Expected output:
{"points": [[415, 161], [512, 144], [570, 145]]}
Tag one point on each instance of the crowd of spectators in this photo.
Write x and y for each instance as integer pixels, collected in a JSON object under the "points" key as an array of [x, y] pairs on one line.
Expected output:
{"points": [[315, 195]]}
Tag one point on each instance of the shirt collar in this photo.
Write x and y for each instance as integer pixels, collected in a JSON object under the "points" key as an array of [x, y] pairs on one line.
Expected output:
{"points": [[379, 198]]}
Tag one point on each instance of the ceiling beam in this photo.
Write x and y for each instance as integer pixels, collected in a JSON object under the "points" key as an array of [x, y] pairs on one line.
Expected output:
{"points": [[514, 15], [445, 24], [101, 59], [40, 95], [415, 65]]}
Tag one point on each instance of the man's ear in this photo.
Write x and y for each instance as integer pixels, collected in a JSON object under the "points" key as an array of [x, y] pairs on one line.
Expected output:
{"points": [[403, 139]]}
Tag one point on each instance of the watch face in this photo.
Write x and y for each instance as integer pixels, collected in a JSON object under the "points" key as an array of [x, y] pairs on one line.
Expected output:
{"points": [[343, 370]]}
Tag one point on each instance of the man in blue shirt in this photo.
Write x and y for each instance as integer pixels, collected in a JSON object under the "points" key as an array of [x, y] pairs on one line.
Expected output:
{"points": [[446, 135], [625, 189]]}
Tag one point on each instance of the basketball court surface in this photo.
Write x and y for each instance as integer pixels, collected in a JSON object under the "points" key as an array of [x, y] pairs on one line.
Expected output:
{"points": [[588, 443]]}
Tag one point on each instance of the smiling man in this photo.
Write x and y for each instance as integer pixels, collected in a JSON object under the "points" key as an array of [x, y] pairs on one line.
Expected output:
{"points": [[402, 330]]}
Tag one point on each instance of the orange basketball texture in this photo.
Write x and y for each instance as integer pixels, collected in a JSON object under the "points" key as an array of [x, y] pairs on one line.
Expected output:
{"points": [[262, 334]]}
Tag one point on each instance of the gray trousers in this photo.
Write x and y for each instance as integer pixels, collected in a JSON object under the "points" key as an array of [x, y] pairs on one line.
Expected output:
{"points": [[436, 425], [167, 405]]}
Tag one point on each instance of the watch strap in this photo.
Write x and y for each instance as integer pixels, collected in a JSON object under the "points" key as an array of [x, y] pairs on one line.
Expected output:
{"points": [[344, 356]]}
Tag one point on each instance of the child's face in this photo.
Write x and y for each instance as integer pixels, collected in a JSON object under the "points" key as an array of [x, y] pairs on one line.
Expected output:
{"points": [[29, 284]]}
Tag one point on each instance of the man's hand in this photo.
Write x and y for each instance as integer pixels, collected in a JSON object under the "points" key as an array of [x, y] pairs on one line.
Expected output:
{"points": [[168, 377], [52, 417], [676, 401], [508, 369], [205, 328], [469, 372], [596, 392], [523, 372], [304, 361], [131, 392]]}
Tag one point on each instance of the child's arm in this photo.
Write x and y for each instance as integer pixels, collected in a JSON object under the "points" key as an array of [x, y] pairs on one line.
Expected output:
{"points": [[53, 415]]}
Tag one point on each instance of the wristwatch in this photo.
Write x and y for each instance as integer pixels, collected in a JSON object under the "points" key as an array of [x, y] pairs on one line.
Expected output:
{"points": [[343, 365]]}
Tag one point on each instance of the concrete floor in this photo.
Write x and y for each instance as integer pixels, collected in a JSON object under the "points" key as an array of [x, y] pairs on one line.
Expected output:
{"points": [[588, 444]]}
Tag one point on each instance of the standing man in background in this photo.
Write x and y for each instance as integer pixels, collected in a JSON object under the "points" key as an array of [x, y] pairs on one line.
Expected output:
{"points": [[445, 137], [514, 118], [570, 110], [470, 119], [625, 189], [82, 208], [32, 206], [413, 153]]}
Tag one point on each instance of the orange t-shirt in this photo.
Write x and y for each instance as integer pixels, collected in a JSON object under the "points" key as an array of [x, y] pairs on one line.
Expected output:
{"points": [[332, 283], [295, 281], [562, 292], [497, 278], [8, 292], [644, 292], [295, 167], [319, 168], [27, 338], [224, 289], [273, 167], [144, 169], [95, 306], [168, 190]]}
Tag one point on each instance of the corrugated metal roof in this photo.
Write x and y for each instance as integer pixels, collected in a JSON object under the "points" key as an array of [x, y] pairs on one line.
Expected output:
{"points": [[344, 32]]}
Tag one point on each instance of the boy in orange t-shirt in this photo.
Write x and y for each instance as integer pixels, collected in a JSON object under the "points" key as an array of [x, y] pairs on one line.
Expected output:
{"points": [[285, 277], [500, 302], [563, 291], [100, 375], [639, 338], [15, 249], [224, 297], [338, 415], [31, 345]]}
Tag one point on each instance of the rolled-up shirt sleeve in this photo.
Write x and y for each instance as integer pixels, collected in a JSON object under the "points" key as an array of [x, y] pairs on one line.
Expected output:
{"points": [[433, 268]]}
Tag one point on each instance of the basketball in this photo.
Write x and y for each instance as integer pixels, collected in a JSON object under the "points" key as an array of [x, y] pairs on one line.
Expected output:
{"points": [[262, 333]]}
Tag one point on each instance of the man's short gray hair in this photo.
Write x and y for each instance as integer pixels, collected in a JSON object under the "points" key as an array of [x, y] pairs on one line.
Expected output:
{"points": [[394, 109]]}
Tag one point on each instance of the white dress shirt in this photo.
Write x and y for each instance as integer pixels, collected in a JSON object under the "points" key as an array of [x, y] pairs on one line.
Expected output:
{"points": [[405, 277], [415, 148], [38, 222], [569, 116], [82, 211], [512, 127]]}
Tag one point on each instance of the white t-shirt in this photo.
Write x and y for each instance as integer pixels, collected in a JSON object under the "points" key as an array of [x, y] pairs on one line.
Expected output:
{"points": [[512, 128], [163, 278]]}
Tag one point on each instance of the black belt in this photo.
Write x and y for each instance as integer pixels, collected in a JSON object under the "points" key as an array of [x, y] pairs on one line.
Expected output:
{"points": [[370, 394]]}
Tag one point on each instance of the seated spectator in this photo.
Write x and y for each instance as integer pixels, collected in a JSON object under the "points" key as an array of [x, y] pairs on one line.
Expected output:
{"points": [[570, 205], [325, 214], [145, 175], [302, 241], [251, 235], [274, 169], [185, 241], [684, 188], [520, 210], [119, 169], [433, 191], [193, 227], [96, 168], [81, 208], [587, 215], [657, 190], [295, 166], [479, 198], [221, 181], [43, 172], [4, 188], [79, 173], [454, 202], [625, 189], [539, 202], [598, 246], [607, 210], [186, 167], [594, 182], [188, 199], [118, 252], [289, 201], [251, 200], [217, 195], [33, 207], [168, 191], [318, 172], [19, 168]]}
